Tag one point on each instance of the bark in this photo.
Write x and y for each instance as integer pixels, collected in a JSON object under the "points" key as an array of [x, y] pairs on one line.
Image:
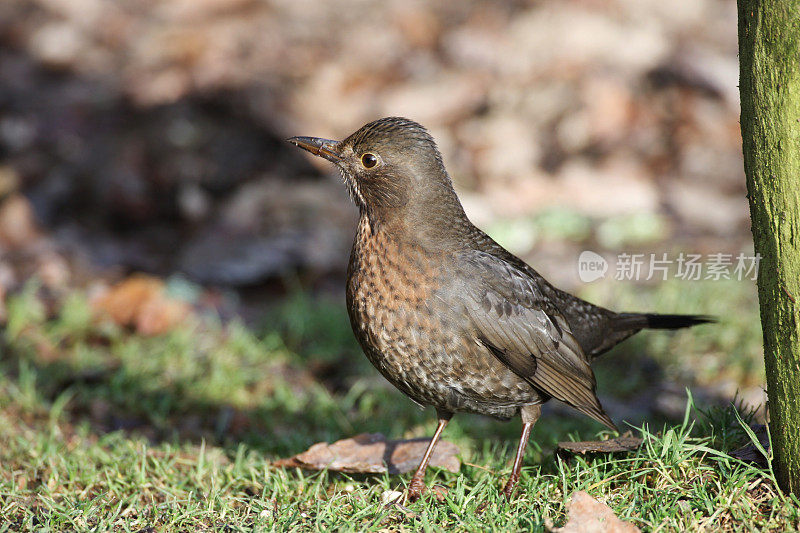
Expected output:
{"points": [[769, 62]]}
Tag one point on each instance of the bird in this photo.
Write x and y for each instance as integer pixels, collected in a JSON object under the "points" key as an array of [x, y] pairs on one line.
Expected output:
{"points": [[446, 314]]}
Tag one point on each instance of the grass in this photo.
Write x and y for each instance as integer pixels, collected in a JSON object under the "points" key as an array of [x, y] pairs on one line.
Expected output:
{"points": [[104, 429]]}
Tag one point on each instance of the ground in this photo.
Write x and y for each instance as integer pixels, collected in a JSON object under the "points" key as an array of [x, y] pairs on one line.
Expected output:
{"points": [[108, 428]]}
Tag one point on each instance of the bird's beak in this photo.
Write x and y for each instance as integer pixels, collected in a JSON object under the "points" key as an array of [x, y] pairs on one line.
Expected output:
{"points": [[322, 147]]}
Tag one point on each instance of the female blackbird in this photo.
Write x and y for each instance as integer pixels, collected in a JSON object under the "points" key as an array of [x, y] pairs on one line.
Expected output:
{"points": [[446, 314]]}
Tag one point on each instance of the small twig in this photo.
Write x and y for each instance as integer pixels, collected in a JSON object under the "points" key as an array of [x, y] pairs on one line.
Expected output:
{"points": [[788, 294], [481, 467]]}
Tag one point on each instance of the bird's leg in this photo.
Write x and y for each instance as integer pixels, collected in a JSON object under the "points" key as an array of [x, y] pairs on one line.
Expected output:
{"points": [[417, 485], [530, 413]]}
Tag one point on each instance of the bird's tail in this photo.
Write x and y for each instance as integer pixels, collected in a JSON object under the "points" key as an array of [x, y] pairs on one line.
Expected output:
{"points": [[636, 321]]}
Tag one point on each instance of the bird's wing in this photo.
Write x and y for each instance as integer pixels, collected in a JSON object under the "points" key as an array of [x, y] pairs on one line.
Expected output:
{"points": [[591, 325], [523, 329]]}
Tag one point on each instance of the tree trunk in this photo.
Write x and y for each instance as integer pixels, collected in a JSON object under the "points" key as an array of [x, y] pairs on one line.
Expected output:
{"points": [[769, 68]]}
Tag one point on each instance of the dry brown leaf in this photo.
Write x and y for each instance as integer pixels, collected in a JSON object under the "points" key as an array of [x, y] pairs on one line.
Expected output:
{"points": [[123, 301], [439, 492], [140, 302], [371, 453], [618, 445], [160, 315], [587, 515]]}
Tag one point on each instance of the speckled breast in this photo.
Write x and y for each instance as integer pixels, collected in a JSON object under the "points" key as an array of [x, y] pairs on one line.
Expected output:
{"points": [[415, 338]]}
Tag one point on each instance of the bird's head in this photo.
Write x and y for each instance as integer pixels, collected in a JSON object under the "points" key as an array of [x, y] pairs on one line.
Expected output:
{"points": [[388, 164]]}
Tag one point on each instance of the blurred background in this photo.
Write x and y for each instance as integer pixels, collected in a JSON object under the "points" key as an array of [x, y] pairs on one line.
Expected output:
{"points": [[178, 268]]}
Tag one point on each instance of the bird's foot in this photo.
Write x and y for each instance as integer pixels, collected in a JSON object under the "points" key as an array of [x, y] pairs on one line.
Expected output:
{"points": [[415, 489], [508, 490]]}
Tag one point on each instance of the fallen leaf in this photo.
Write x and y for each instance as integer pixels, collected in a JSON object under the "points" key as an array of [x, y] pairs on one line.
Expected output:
{"points": [[439, 492], [160, 315], [371, 453], [141, 302], [123, 301], [617, 445], [750, 453], [587, 515], [391, 496]]}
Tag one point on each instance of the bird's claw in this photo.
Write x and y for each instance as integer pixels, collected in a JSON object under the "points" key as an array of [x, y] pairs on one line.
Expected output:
{"points": [[415, 489], [508, 490]]}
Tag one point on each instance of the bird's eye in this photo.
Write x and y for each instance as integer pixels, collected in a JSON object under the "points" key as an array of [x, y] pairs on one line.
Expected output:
{"points": [[369, 160]]}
